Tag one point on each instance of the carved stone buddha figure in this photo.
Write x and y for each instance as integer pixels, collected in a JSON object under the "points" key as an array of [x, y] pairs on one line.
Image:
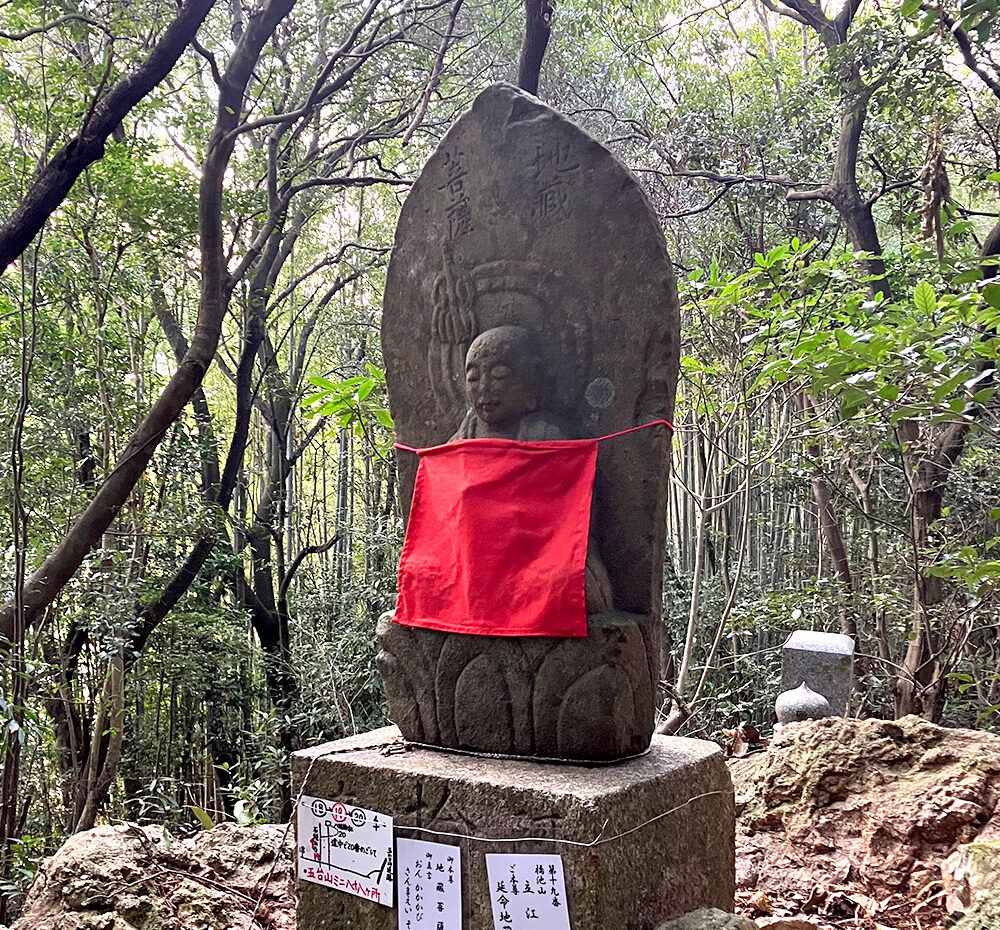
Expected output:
{"points": [[503, 380], [529, 270], [503, 383]]}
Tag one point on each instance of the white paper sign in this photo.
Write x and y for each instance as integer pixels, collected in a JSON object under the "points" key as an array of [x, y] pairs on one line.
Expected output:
{"points": [[430, 885], [345, 847], [528, 892]]}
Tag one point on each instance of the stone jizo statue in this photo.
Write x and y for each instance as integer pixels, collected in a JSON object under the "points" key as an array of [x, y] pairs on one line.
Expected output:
{"points": [[503, 383], [530, 297]]}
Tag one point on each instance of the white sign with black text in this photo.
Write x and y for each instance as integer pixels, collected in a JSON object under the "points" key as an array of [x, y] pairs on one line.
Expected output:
{"points": [[528, 892], [429, 876]]}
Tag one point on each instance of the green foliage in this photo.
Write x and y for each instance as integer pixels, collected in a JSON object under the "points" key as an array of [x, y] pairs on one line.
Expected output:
{"points": [[27, 853], [877, 384], [358, 403], [810, 323]]}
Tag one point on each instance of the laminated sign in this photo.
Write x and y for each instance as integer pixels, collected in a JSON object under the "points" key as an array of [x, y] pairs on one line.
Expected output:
{"points": [[430, 885], [345, 847]]}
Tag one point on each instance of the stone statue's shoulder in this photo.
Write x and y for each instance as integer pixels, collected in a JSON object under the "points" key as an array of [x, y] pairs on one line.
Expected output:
{"points": [[539, 426], [466, 429]]}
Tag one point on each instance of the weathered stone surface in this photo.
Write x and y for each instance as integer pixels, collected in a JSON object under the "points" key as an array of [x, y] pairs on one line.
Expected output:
{"points": [[824, 661], [870, 806], [555, 235], [971, 875], [521, 219], [672, 865], [524, 695], [984, 916], [709, 918], [129, 878]]}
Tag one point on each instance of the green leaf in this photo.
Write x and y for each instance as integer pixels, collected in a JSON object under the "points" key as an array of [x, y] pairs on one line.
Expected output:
{"points": [[384, 417], [776, 254], [206, 822], [991, 294], [925, 298], [851, 402], [967, 277], [908, 8], [939, 571]]}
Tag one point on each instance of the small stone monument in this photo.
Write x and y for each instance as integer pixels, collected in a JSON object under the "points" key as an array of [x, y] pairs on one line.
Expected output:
{"points": [[824, 662], [530, 297]]}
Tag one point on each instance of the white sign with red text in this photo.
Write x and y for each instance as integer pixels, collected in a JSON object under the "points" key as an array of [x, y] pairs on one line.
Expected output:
{"points": [[345, 847]]}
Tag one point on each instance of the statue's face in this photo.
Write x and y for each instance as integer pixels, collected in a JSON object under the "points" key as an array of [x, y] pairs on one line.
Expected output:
{"points": [[498, 385]]}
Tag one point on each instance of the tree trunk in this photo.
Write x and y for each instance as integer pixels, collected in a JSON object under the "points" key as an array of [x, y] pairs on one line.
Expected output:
{"points": [[53, 182], [42, 588], [829, 525], [842, 191], [921, 686], [537, 29], [105, 749]]}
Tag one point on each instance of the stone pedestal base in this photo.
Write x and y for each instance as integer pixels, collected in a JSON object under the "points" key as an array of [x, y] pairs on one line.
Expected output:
{"points": [[678, 862], [561, 697]]}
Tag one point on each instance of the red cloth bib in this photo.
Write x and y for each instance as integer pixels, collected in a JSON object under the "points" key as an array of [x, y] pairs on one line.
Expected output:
{"points": [[497, 538], [496, 543]]}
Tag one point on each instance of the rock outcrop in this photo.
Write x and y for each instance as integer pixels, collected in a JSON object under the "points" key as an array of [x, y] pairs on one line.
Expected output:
{"points": [[132, 878], [874, 806], [841, 823]]}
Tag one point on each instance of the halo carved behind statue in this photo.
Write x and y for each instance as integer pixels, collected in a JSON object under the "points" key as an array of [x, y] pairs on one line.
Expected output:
{"points": [[467, 302], [520, 218]]}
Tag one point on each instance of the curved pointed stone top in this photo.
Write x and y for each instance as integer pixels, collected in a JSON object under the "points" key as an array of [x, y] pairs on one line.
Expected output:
{"points": [[801, 703], [520, 217], [813, 641]]}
